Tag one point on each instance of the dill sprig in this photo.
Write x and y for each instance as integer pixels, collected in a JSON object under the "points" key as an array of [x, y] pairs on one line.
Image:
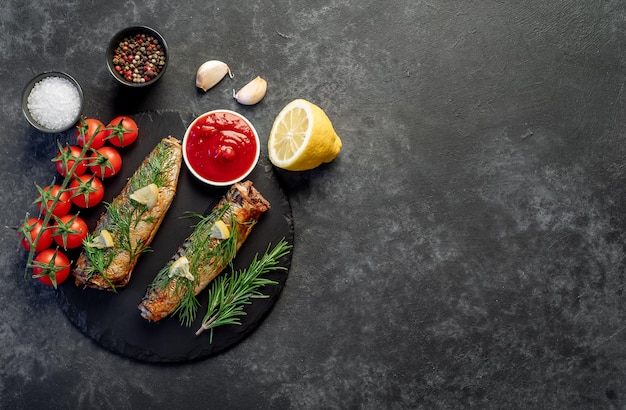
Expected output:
{"points": [[190, 304], [100, 260], [230, 293], [151, 172], [123, 217], [201, 250], [199, 245]]}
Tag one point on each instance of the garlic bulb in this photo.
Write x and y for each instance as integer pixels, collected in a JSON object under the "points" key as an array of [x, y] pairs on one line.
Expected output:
{"points": [[210, 73], [251, 93]]}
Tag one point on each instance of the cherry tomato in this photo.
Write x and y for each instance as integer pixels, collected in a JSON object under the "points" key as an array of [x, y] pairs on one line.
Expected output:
{"points": [[51, 267], [105, 162], [93, 130], [31, 228], [66, 158], [86, 191], [123, 131], [69, 231], [46, 198]]}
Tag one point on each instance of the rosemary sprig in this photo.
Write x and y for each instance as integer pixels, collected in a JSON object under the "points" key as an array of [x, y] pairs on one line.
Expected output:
{"points": [[230, 293]]}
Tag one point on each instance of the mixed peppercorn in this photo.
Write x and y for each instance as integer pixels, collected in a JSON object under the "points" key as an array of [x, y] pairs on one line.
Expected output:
{"points": [[139, 58]]}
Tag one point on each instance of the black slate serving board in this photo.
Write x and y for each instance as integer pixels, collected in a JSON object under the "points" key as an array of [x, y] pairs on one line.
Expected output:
{"points": [[113, 320]]}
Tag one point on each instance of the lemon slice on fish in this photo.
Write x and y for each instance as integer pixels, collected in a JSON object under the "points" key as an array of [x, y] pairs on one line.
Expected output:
{"points": [[147, 195], [180, 267], [220, 230], [102, 241]]}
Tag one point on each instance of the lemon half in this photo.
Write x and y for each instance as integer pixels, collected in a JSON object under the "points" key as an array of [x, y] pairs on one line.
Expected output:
{"points": [[302, 137]]}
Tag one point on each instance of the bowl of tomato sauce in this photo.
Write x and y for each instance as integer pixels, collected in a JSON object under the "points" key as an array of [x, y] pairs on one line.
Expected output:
{"points": [[221, 147]]}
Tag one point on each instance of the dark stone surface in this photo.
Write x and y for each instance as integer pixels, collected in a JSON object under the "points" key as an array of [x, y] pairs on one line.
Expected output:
{"points": [[466, 249]]}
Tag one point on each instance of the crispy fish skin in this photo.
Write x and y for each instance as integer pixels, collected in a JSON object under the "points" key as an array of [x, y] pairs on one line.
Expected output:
{"points": [[144, 226], [246, 205]]}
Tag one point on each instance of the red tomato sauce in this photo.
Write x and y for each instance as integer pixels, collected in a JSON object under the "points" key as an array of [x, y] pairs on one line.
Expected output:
{"points": [[221, 147]]}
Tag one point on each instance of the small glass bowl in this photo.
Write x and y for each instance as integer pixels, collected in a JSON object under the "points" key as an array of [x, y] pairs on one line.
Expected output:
{"points": [[29, 88], [131, 31]]}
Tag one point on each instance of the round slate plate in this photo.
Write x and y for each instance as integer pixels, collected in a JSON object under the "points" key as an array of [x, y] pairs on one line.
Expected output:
{"points": [[113, 319]]}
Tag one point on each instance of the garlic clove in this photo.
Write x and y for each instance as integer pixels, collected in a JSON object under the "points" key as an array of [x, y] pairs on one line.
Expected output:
{"points": [[210, 73], [251, 93]]}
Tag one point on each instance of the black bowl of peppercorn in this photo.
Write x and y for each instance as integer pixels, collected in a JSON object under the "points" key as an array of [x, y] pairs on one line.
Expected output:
{"points": [[137, 56]]}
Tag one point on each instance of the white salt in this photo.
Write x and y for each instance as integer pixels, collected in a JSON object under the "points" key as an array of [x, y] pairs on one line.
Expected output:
{"points": [[54, 103]]}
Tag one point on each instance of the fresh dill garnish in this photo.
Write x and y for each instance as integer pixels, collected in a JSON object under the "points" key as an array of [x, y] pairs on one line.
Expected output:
{"points": [[224, 251], [121, 215], [203, 251], [125, 216], [153, 170], [189, 305], [230, 293], [100, 260], [197, 240]]}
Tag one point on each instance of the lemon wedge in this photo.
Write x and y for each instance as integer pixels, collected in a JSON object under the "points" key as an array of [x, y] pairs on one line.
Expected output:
{"points": [[220, 230], [147, 195], [180, 267], [102, 241], [302, 137]]}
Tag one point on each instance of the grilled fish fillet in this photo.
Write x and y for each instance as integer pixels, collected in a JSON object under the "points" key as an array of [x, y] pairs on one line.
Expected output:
{"points": [[245, 204], [131, 225]]}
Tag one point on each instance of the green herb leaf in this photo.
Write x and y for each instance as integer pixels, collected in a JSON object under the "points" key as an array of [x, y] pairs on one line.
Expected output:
{"points": [[230, 293]]}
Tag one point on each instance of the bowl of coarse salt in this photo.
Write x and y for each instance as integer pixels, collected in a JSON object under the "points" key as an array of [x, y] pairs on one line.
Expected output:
{"points": [[52, 102]]}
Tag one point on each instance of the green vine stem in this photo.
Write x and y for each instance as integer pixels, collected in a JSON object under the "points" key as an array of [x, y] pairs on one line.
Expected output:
{"points": [[63, 188]]}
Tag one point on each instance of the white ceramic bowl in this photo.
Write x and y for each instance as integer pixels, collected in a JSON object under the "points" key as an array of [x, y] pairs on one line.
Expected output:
{"points": [[245, 167]]}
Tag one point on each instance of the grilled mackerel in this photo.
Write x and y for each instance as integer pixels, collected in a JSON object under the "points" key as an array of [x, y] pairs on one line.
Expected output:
{"points": [[132, 225], [240, 209]]}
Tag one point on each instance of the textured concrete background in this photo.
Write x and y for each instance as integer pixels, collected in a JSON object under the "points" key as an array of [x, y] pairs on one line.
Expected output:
{"points": [[465, 250]]}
